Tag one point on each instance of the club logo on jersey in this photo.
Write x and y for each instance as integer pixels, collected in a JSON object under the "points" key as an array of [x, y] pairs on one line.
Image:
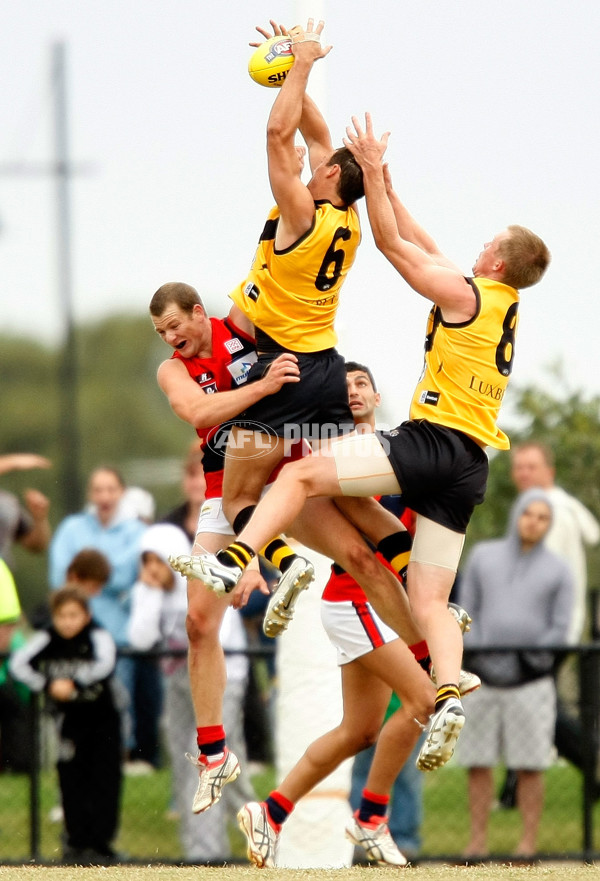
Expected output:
{"points": [[251, 291], [240, 368], [233, 345], [429, 398], [208, 383]]}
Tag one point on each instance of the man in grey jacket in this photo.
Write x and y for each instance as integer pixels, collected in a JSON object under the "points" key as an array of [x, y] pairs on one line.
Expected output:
{"points": [[513, 717], [573, 528]]}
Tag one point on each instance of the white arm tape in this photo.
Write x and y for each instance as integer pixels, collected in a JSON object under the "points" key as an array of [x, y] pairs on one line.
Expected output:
{"points": [[307, 38]]}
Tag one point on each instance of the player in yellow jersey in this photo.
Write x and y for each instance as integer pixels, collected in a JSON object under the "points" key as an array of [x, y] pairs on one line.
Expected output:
{"points": [[291, 296], [436, 459]]}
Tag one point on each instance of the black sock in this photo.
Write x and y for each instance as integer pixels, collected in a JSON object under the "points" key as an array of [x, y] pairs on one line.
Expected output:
{"points": [[372, 805], [242, 518], [278, 807]]}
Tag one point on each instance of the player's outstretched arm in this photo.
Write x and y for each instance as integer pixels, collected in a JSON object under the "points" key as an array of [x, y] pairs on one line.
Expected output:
{"points": [[295, 202], [193, 405], [312, 125], [315, 132], [444, 286], [409, 229]]}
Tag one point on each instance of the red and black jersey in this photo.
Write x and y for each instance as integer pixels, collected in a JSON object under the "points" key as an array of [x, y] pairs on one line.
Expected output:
{"points": [[233, 353]]}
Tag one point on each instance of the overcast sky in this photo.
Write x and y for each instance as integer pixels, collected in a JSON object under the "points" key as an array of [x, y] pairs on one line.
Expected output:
{"points": [[494, 111]]}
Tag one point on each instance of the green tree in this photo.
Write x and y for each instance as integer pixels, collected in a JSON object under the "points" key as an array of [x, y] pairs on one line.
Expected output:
{"points": [[123, 419], [569, 422]]}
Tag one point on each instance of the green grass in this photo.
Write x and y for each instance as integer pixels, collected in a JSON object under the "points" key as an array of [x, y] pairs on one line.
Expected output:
{"points": [[563, 872], [446, 830], [146, 832]]}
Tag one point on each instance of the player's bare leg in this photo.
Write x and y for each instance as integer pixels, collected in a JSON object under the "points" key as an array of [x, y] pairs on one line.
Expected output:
{"points": [[314, 476], [322, 527], [208, 678], [206, 659], [431, 573], [367, 685], [400, 733], [428, 591], [365, 701], [250, 458]]}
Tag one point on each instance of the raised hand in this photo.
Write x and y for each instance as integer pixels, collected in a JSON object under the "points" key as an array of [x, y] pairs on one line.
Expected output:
{"points": [[278, 31], [363, 144], [307, 42], [37, 503]]}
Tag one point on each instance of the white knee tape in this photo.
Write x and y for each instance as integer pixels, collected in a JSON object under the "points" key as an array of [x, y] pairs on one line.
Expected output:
{"points": [[363, 469], [436, 545]]}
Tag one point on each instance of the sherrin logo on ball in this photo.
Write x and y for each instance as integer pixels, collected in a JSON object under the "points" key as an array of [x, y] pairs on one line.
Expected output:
{"points": [[270, 63]]}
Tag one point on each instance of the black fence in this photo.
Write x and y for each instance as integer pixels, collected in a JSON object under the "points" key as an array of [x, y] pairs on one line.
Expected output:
{"points": [[31, 827]]}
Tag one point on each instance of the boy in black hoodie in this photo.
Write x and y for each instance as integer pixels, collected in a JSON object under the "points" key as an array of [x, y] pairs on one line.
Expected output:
{"points": [[72, 661]]}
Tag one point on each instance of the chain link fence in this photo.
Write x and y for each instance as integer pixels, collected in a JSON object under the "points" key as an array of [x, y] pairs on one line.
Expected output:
{"points": [[31, 825]]}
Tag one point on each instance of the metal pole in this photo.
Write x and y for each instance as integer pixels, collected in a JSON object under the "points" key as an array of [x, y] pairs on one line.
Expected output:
{"points": [[35, 779], [589, 683], [68, 385]]}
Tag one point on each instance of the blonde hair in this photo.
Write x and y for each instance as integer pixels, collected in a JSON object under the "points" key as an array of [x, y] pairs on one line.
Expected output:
{"points": [[525, 256]]}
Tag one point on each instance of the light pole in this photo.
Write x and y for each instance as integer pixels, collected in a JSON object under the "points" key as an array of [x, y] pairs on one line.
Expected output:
{"points": [[68, 367], [62, 171]]}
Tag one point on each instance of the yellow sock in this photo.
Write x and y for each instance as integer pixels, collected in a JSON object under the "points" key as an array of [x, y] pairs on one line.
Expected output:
{"points": [[279, 553], [444, 692]]}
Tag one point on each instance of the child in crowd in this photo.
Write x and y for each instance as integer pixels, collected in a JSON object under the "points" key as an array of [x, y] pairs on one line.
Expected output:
{"points": [[89, 570], [72, 662]]}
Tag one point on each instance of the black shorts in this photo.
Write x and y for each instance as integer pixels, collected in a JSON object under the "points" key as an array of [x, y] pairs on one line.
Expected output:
{"points": [[441, 471], [314, 408]]}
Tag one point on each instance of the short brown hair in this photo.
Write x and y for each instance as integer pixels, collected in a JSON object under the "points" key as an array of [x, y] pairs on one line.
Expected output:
{"points": [[70, 593], [525, 256], [350, 185], [109, 469], [177, 292], [89, 564], [546, 451]]}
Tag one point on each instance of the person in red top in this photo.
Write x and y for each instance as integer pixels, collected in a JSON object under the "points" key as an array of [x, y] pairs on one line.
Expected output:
{"points": [[205, 383], [200, 392]]}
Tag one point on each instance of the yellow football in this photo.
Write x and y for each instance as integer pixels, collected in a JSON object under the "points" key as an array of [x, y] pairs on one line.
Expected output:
{"points": [[270, 63]]}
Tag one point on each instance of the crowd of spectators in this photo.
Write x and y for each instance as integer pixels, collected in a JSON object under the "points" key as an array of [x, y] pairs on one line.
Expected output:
{"points": [[111, 558]]}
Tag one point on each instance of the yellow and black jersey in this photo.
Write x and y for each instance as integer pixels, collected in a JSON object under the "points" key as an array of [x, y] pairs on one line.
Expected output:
{"points": [[467, 365], [292, 294]]}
